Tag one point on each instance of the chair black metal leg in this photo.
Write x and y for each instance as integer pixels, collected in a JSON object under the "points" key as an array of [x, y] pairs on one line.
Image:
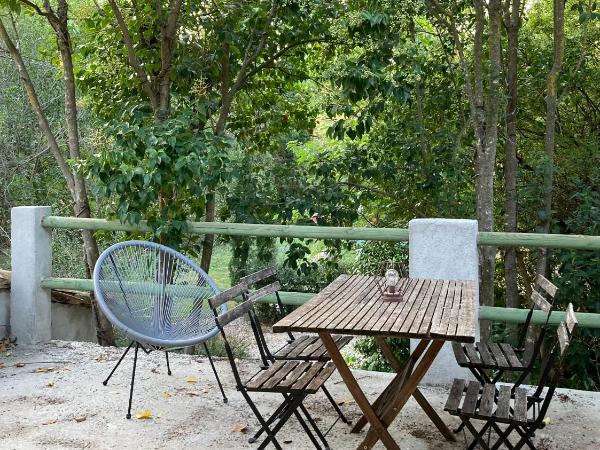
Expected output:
{"points": [[215, 372], [271, 419], [503, 438], [168, 366], [132, 380], [293, 405], [315, 427], [264, 426], [478, 435], [335, 406], [105, 382], [307, 430], [526, 436]]}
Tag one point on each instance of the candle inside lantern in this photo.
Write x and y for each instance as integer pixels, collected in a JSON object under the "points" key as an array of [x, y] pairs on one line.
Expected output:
{"points": [[391, 278]]}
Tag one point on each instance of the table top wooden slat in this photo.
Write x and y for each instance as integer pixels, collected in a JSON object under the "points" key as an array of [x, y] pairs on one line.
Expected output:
{"points": [[353, 305], [352, 288]]}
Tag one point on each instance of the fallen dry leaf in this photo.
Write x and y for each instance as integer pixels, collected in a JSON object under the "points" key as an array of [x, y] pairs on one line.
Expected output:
{"points": [[20, 365], [2, 366], [43, 369], [51, 384], [50, 422], [239, 428], [80, 419], [166, 394], [2, 347], [144, 415], [205, 391], [193, 393], [191, 379]]}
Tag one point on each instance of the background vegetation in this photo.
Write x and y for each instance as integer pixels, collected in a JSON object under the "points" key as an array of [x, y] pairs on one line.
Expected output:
{"points": [[358, 112]]}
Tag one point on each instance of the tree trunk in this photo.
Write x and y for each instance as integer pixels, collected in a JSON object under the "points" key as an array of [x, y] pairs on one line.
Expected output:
{"points": [[549, 139], [512, 20], [104, 331], [211, 203], [75, 182], [486, 154]]}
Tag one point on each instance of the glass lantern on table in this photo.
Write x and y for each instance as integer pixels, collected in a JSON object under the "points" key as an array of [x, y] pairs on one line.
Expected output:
{"points": [[393, 284]]}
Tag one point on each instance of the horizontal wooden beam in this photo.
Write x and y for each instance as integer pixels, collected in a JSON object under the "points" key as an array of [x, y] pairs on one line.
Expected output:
{"points": [[498, 314], [81, 284], [240, 229], [497, 239]]}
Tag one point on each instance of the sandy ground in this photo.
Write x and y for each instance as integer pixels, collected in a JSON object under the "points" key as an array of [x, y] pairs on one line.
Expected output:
{"points": [[51, 397]]}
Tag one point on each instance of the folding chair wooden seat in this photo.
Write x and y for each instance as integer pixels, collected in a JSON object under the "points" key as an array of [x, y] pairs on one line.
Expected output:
{"points": [[295, 380], [482, 358], [305, 347], [511, 405]]}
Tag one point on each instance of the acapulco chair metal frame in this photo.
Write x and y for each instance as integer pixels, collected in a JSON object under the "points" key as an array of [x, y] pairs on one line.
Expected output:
{"points": [[163, 294]]}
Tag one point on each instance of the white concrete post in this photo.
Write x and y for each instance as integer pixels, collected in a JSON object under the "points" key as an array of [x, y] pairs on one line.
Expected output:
{"points": [[31, 256], [444, 249]]}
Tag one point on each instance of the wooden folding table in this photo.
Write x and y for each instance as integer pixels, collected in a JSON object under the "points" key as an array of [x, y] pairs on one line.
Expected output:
{"points": [[433, 311]]}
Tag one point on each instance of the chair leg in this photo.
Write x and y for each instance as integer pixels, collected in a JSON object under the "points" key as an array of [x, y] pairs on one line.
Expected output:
{"points": [[307, 430], [264, 426], [215, 372], [293, 406], [335, 406], [315, 427], [271, 419], [105, 382], [132, 380], [168, 366], [477, 435], [503, 438], [526, 436]]}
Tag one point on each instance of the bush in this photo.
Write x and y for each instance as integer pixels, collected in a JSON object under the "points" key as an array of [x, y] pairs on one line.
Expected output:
{"points": [[369, 357]]}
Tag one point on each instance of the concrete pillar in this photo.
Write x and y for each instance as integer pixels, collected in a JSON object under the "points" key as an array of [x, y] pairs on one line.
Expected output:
{"points": [[444, 249], [31, 255]]}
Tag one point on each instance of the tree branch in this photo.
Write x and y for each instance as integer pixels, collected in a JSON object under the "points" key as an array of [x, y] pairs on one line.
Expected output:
{"points": [[37, 109], [134, 61]]}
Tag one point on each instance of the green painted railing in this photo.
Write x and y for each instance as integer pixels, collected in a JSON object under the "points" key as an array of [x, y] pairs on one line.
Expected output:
{"points": [[499, 314], [497, 239]]}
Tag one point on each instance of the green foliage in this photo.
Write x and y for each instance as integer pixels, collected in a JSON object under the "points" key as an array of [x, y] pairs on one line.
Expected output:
{"points": [[160, 171], [369, 357]]}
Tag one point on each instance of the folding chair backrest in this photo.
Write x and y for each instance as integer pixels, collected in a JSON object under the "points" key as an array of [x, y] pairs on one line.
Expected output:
{"points": [[542, 297], [225, 319], [228, 295], [552, 370], [272, 288]]}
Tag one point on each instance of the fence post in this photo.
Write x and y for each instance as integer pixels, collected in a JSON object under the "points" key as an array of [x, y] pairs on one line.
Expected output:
{"points": [[444, 249], [31, 256]]}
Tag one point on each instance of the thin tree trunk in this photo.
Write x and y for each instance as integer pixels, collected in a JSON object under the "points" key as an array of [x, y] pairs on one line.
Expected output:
{"points": [[486, 158], [74, 181], [551, 113], [512, 20]]}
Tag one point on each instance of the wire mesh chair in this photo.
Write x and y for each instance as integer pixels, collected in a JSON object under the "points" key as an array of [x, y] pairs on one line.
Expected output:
{"points": [[158, 297]]}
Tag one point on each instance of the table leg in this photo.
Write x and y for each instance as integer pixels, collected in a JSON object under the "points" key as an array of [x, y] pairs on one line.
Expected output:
{"points": [[396, 384], [379, 430], [393, 407], [417, 395]]}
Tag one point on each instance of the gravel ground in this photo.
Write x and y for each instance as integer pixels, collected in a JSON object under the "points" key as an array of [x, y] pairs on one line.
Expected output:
{"points": [[51, 397]]}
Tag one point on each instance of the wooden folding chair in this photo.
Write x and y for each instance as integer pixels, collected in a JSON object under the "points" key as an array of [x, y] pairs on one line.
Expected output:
{"points": [[303, 348], [511, 405], [482, 358], [295, 380]]}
